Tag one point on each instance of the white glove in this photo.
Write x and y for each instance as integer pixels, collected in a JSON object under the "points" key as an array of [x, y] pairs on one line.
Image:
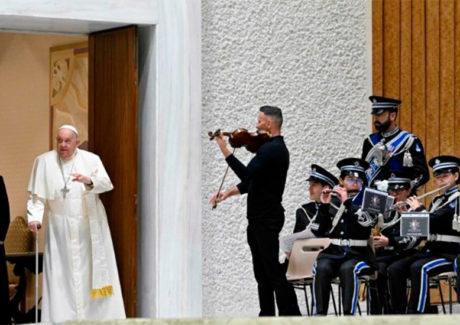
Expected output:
{"points": [[382, 185]]}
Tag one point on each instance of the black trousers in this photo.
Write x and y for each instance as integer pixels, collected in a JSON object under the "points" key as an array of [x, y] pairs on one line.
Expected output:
{"points": [[348, 270], [270, 276], [418, 269], [5, 316], [379, 301]]}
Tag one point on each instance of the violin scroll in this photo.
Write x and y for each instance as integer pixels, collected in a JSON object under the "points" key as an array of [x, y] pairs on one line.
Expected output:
{"points": [[212, 135]]}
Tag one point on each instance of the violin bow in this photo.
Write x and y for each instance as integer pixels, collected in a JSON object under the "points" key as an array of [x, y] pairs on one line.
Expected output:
{"points": [[222, 183]]}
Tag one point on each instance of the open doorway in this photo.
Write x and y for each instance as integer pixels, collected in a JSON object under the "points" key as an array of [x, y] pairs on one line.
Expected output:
{"points": [[26, 132], [28, 122]]}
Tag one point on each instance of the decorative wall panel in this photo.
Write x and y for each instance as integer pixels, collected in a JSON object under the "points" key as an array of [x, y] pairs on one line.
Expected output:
{"points": [[69, 89]]}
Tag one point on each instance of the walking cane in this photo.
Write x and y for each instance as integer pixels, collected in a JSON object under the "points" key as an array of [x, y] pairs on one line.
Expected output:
{"points": [[36, 277]]}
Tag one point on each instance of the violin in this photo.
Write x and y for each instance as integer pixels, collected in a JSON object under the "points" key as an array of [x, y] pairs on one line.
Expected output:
{"points": [[243, 138], [240, 138]]}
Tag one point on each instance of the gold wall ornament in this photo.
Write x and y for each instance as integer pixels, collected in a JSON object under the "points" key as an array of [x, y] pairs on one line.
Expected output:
{"points": [[69, 89]]}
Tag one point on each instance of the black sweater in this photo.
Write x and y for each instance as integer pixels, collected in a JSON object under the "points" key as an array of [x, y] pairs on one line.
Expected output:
{"points": [[263, 179]]}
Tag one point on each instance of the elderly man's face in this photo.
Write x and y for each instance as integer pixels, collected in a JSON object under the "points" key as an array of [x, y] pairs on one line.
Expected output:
{"points": [[67, 143]]}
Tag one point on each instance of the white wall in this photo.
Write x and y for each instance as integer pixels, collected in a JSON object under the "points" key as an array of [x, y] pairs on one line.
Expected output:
{"points": [[310, 58]]}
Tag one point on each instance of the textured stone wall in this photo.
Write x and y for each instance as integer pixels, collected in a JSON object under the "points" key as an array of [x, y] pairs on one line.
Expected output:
{"points": [[309, 58]]}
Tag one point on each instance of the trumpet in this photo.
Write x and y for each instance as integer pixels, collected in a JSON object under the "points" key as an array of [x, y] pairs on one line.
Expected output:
{"points": [[403, 203]]}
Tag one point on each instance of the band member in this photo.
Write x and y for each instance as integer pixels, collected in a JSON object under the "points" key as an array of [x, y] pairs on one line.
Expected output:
{"points": [[349, 255], [264, 179], [391, 148], [389, 245], [320, 179], [442, 246]]}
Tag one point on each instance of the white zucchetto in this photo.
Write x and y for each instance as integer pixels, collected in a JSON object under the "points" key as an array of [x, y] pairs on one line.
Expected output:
{"points": [[69, 127]]}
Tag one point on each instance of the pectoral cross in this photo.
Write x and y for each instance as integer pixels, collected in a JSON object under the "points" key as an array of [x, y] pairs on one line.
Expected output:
{"points": [[64, 191]]}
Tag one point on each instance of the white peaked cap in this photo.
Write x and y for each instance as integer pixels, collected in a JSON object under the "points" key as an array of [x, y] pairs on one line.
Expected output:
{"points": [[69, 127]]}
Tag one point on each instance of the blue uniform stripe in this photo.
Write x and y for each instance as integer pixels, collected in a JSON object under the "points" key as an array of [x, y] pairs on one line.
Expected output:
{"points": [[313, 272], [424, 281], [393, 147], [358, 267], [445, 165]]}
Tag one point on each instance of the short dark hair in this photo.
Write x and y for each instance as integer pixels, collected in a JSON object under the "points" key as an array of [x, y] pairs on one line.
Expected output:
{"points": [[273, 112]]}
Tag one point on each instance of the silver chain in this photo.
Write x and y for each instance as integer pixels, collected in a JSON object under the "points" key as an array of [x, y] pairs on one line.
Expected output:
{"points": [[65, 190]]}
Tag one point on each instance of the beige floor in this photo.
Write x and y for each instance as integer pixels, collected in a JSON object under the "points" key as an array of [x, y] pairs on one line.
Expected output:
{"points": [[331, 320]]}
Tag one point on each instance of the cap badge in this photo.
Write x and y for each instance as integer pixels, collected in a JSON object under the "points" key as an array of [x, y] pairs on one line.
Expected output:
{"points": [[437, 161], [356, 163]]}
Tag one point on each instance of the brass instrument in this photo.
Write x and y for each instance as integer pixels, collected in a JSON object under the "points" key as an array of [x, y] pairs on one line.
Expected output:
{"points": [[376, 230], [402, 203]]}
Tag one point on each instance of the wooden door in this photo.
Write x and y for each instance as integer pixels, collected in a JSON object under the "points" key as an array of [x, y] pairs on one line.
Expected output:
{"points": [[113, 75]]}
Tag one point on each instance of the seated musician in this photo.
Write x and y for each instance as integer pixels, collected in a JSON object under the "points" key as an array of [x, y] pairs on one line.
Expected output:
{"points": [[389, 245], [320, 179], [438, 254], [349, 255]]}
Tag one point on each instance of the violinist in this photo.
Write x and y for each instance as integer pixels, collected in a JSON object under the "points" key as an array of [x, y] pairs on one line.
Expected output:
{"points": [[263, 179]]}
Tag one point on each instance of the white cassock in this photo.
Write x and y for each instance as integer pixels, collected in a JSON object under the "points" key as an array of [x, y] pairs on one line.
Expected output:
{"points": [[80, 277]]}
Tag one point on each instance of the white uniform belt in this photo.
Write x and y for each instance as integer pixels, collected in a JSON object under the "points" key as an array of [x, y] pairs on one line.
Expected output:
{"points": [[349, 242], [444, 238]]}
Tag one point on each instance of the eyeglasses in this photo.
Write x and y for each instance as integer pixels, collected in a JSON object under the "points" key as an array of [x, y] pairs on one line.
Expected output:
{"points": [[357, 181]]}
